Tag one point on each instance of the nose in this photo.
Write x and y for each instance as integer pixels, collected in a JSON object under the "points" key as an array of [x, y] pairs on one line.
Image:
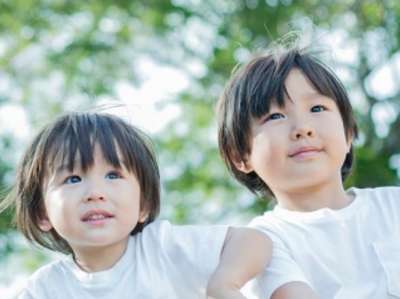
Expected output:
{"points": [[94, 193], [302, 130], [95, 197]]}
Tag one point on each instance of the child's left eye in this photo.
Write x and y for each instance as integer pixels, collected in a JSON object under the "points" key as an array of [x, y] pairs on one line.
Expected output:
{"points": [[318, 108], [72, 179], [113, 175]]}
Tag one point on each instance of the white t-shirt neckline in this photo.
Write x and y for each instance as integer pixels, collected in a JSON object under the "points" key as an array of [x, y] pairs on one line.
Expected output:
{"points": [[320, 215], [105, 277]]}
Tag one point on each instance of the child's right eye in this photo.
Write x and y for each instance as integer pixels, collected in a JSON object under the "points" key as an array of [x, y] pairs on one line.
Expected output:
{"points": [[274, 116], [73, 179]]}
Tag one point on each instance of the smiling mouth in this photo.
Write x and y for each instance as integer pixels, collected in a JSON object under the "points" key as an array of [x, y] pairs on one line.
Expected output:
{"points": [[96, 216]]}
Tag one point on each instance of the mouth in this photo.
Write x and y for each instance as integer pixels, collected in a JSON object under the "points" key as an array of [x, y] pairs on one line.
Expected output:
{"points": [[96, 216], [304, 152]]}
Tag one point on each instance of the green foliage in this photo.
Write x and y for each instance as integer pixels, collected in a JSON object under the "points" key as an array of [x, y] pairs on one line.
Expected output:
{"points": [[371, 170], [60, 55]]}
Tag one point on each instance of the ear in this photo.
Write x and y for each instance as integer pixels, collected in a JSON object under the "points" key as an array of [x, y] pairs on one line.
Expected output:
{"points": [[45, 225], [243, 166], [143, 215], [349, 142]]}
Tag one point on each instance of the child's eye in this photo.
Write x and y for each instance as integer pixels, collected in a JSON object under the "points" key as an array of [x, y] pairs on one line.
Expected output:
{"points": [[318, 108], [274, 116], [72, 179], [112, 175]]}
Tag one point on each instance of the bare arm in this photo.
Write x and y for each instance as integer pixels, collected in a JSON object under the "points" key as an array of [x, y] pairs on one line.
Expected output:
{"points": [[294, 290], [246, 252]]}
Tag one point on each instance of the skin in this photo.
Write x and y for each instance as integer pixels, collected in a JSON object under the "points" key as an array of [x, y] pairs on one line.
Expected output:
{"points": [[294, 290], [310, 180], [69, 196], [239, 249]]}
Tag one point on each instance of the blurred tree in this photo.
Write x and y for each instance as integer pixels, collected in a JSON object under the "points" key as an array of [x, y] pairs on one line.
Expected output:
{"points": [[246, 26], [57, 55]]}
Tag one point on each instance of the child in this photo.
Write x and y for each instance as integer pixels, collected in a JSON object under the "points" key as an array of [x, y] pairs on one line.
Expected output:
{"points": [[286, 128], [88, 186]]}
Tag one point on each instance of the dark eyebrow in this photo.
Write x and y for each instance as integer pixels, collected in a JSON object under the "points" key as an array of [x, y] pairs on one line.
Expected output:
{"points": [[66, 167], [316, 95], [61, 168]]}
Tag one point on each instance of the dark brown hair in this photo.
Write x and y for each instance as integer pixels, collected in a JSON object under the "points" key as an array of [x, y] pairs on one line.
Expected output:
{"points": [[72, 136], [249, 94]]}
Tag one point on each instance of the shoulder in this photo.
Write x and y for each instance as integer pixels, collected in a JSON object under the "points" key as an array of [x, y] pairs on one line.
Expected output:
{"points": [[266, 220], [379, 195], [381, 205], [270, 224], [184, 253], [157, 233], [166, 234], [182, 242], [51, 270], [45, 280]]}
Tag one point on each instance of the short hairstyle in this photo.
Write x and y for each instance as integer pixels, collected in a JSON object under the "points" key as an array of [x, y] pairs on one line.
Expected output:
{"points": [[76, 134], [249, 94]]}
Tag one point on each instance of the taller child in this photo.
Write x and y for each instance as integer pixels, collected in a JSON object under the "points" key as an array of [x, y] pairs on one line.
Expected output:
{"points": [[286, 128]]}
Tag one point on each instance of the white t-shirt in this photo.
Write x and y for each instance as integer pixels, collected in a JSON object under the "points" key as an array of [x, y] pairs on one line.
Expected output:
{"points": [[164, 261], [349, 253]]}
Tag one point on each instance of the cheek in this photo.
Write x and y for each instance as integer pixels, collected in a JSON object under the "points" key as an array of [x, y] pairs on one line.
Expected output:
{"points": [[59, 203], [335, 140], [54, 208], [337, 134], [268, 151]]}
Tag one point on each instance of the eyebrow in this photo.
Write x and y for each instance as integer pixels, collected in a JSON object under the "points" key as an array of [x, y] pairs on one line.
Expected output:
{"points": [[313, 95], [316, 94], [76, 165], [65, 166]]}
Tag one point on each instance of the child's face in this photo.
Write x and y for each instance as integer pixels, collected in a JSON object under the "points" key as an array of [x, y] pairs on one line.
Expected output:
{"points": [[301, 145], [99, 207]]}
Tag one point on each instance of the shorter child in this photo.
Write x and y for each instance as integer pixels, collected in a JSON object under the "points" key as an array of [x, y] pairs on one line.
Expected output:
{"points": [[286, 128], [88, 186]]}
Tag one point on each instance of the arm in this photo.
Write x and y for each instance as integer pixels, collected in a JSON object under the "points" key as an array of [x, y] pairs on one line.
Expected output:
{"points": [[294, 290], [246, 252]]}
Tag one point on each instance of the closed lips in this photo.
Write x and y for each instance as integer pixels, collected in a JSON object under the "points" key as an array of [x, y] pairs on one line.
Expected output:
{"points": [[303, 150]]}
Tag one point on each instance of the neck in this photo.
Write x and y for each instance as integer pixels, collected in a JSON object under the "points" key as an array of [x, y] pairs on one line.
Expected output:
{"points": [[95, 259], [331, 195]]}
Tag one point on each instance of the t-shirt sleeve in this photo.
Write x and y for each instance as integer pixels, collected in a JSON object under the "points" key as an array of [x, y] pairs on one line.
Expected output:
{"points": [[34, 287], [191, 253], [25, 295], [281, 270], [44, 283]]}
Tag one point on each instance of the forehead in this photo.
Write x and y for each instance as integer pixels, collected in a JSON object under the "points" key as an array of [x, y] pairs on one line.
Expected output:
{"points": [[273, 91], [298, 87], [64, 158], [74, 144], [297, 81], [294, 84]]}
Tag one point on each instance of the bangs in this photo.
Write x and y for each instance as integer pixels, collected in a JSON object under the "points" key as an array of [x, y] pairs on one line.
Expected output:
{"points": [[69, 142], [74, 140], [266, 81], [266, 85]]}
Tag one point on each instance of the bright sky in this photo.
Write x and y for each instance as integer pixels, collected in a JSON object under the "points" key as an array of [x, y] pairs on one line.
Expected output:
{"points": [[145, 106]]}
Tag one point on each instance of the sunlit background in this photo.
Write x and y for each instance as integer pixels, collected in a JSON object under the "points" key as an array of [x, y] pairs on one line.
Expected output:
{"points": [[161, 65]]}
